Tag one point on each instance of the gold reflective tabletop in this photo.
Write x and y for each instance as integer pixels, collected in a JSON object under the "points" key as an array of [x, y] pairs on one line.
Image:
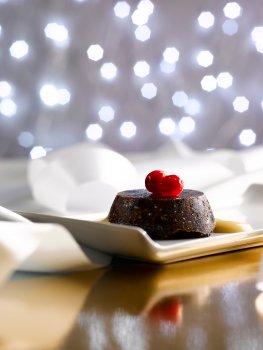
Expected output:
{"points": [[205, 303]]}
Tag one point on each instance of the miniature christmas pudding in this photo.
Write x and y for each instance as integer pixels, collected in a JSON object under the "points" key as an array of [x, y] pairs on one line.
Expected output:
{"points": [[164, 209]]}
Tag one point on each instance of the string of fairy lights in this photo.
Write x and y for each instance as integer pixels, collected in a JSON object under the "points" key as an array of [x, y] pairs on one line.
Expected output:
{"points": [[53, 96]]}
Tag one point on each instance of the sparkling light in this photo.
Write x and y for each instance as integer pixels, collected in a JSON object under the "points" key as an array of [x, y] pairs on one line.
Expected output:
{"points": [[262, 104], [167, 126], [142, 33], [141, 69], [230, 27], [209, 83], [146, 6], [52, 96], [108, 71], [240, 104], [8, 107], [247, 137], [206, 19], [122, 9], [149, 90], [56, 32], [232, 10], [94, 132], [19, 49], [187, 124], [192, 107], [38, 152], [205, 58], [0, 30], [25, 139], [166, 67], [5, 89], [224, 80], [106, 113], [95, 52], [171, 55], [128, 129], [139, 17], [180, 99]]}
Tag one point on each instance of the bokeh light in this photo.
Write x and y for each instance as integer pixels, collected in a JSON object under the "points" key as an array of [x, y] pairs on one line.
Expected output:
{"points": [[122, 9], [224, 80], [167, 126], [149, 90], [205, 58], [171, 55], [52, 96], [209, 83], [230, 27], [241, 104], [192, 106], [187, 124], [106, 113], [232, 10], [139, 17], [146, 6], [206, 19], [259, 46], [94, 132], [128, 129], [63, 96], [108, 71], [38, 152], [142, 33], [167, 68], [257, 37], [57, 33], [247, 137], [180, 99], [8, 107], [25, 139], [141, 69], [19, 49], [95, 52], [257, 34], [5, 89]]}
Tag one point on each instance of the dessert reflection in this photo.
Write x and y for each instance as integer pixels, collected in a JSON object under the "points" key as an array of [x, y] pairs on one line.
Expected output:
{"points": [[147, 306]]}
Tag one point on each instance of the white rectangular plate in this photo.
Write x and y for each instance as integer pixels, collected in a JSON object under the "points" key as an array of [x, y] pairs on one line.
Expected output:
{"points": [[134, 243]]}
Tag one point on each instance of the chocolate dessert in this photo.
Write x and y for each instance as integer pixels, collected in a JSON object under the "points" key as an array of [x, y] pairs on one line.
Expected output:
{"points": [[186, 215]]}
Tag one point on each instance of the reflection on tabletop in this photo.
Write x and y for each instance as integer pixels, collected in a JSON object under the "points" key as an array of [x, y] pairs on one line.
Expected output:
{"points": [[136, 306], [37, 311], [191, 304]]}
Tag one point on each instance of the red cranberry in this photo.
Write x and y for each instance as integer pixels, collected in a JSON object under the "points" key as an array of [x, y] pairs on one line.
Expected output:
{"points": [[172, 185], [159, 183], [153, 181]]}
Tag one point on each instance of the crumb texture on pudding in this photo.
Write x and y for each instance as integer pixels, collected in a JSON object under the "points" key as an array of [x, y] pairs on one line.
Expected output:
{"points": [[187, 215]]}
